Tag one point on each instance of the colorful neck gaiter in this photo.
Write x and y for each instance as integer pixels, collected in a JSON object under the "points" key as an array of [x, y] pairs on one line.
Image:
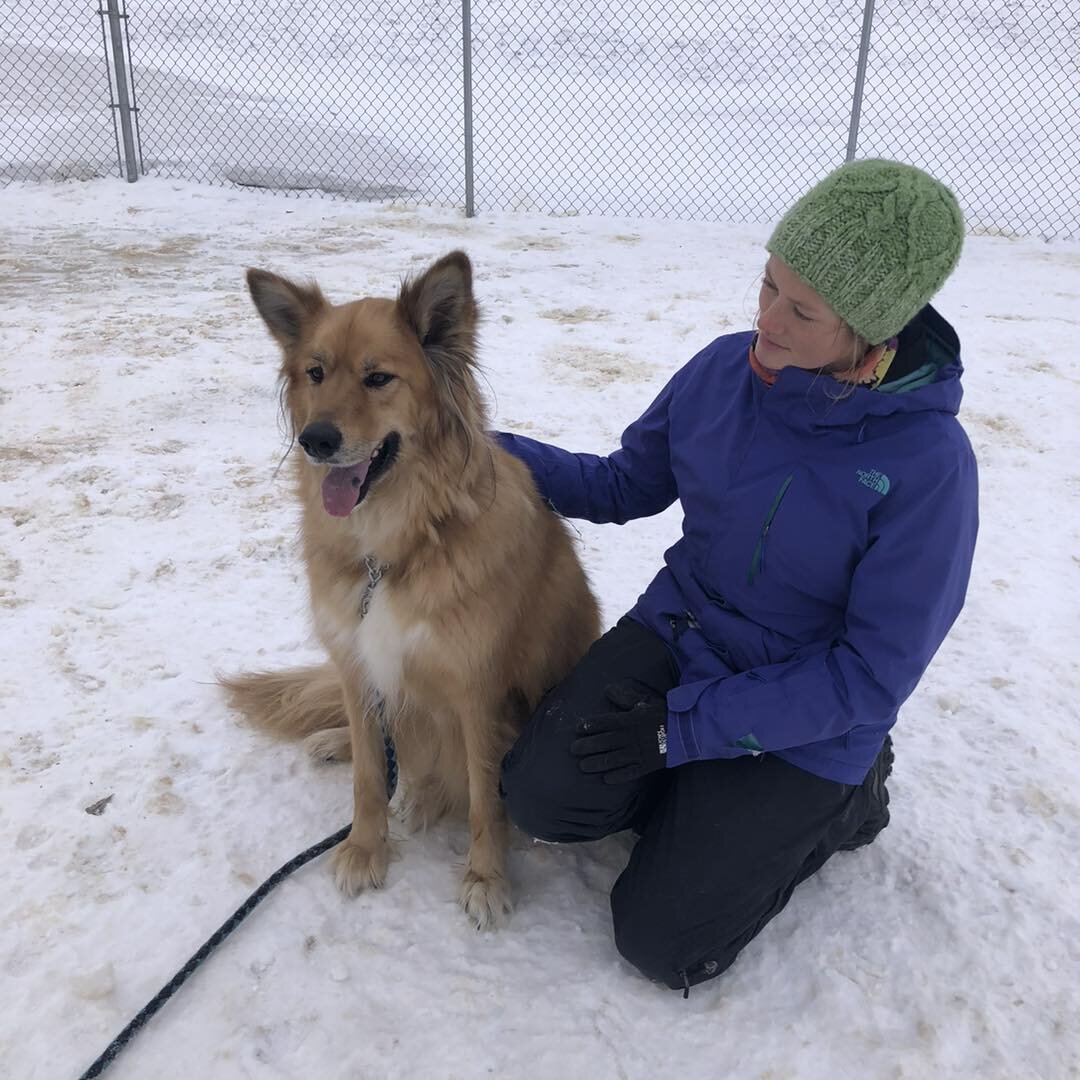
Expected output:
{"points": [[870, 374], [763, 373]]}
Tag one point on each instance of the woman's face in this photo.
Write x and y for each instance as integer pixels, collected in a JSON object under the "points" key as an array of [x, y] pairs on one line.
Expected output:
{"points": [[796, 328]]}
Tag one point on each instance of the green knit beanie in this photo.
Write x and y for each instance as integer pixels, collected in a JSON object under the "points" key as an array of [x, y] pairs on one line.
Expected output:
{"points": [[876, 239]]}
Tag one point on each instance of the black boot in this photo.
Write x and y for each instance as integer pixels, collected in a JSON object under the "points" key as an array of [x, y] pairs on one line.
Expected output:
{"points": [[877, 816]]}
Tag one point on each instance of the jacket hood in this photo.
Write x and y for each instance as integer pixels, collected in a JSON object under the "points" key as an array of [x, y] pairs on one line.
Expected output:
{"points": [[925, 377]]}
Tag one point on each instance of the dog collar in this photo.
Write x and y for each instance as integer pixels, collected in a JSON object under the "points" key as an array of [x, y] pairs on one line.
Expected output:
{"points": [[375, 571]]}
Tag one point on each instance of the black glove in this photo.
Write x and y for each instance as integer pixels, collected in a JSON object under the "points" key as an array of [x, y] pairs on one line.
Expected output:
{"points": [[626, 744]]}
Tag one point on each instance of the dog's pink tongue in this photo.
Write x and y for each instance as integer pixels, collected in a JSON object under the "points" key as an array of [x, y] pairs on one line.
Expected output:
{"points": [[341, 486]]}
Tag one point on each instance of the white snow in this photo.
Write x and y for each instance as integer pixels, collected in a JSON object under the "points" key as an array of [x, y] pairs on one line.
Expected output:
{"points": [[147, 542]]}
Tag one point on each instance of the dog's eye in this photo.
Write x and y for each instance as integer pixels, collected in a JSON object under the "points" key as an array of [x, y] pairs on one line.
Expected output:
{"points": [[377, 379], [315, 374]]}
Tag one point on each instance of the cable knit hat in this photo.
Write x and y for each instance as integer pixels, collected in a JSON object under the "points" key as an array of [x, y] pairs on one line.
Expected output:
{"points": [[876, 239]]}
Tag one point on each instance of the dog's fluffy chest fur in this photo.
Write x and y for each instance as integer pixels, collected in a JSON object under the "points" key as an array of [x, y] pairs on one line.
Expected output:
{"points": [[379, 641], [384, 643]]}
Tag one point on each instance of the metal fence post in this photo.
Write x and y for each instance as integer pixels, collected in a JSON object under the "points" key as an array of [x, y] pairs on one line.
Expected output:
{"points": [[466, 59], [123, 100], [860, 77]]}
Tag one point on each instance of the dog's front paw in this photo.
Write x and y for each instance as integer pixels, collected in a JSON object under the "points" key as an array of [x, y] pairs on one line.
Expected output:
{"points": [[330, 744], [486, 900], [357, 867]]}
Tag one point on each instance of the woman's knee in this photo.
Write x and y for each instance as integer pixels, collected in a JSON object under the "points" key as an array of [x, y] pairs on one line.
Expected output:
{"points": [[548, 805], [545, 792], [535, 781], [528, 800]]}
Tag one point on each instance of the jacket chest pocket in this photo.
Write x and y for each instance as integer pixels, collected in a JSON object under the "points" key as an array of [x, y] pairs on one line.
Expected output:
{"points": [[794, 533], [757, 560]]}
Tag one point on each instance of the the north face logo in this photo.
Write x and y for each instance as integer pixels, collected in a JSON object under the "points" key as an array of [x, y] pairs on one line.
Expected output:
{"points": [[878, 481]]}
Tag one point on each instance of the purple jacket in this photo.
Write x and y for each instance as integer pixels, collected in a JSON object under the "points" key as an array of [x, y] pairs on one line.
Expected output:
{"points": [[826, 544]]}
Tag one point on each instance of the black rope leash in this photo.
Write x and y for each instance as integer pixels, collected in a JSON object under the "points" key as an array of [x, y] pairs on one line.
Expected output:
{"points": [[215, 939], [153, 1006]]}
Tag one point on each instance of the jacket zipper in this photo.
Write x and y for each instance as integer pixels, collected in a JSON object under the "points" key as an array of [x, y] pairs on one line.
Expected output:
{"points": [[757, 564]]}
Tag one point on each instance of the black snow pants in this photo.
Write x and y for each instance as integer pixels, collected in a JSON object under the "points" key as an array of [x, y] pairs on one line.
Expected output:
{"points": [[722, 844]]}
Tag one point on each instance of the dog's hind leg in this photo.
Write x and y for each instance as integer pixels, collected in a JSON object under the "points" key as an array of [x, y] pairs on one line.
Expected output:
{"points": [[331, 744], [485, 892], [427, 766], [426, 802]]}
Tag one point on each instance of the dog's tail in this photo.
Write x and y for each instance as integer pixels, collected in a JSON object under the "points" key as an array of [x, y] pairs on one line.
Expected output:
{"points": [[289, 704]]}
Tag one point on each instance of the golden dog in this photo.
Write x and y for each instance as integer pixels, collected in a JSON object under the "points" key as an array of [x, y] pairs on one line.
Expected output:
{"points": [[448, 596]]}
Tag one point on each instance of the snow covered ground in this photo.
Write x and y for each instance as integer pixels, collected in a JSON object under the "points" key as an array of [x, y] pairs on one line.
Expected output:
{"points": [[145, 541]]}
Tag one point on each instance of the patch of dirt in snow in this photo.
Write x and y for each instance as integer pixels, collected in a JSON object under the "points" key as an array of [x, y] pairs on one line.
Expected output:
{"points": [[594, 367]]}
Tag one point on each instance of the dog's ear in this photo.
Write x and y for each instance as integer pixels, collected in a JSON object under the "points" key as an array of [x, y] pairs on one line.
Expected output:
{"points": [[285, 307], [440, 309]]}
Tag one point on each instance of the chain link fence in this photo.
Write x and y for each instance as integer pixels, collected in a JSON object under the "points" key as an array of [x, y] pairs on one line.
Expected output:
{"points": [[986, 95], [712, 111], [361, 100], [56, 94]]}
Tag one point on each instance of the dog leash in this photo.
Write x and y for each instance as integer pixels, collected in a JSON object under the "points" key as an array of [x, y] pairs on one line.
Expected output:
{"points": [[153, 1006]]}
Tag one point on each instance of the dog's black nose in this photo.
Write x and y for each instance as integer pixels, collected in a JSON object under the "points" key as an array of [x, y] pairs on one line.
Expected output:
{"points": [[320, 439]]}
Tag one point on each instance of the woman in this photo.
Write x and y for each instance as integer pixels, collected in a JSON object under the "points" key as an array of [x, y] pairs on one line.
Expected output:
{"points": [[737, 718]]}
